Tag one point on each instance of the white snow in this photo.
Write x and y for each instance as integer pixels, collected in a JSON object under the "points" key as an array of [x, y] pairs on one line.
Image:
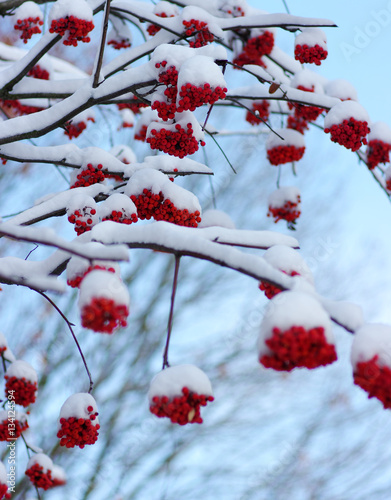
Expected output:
{"points": [[21, 369], [308, 79], [215, 217], [28, 9], [59, 473], [170, 381], [312, 37], [103, 284], [127, 117], [289, 309], [117, 202], [380, 131], [124, 153], [76, 406], [370, 340], [157, 182], [167, 8], [199, 70], [287, 259], [344, 111], [64, 8], [342, 89], [280, 196], [19, 416], [191, 12], [41, 459], [77, 266], [289, 138]]}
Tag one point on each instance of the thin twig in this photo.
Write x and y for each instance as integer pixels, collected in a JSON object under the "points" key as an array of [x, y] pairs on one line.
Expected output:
{"points": [[171, 316], [102, 45], [73, 335]]}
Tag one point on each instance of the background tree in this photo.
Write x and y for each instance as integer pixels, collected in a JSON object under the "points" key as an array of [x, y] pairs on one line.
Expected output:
{"points": [[123, 365]]}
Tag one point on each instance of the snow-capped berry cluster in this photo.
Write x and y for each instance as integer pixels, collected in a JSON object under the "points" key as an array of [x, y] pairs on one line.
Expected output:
{"points": [[295, 332], [75, 28], [371, 360], [193, 96], [255, 48], [379, 145], [259, 114], [76, 126], [162, 200], [39, 471], [77, 279], [38, 72], [311, 46], [284, 203], [118, 208], [82, 211], [164, 10], [202, 35], [29, 18], [78, 422], [174, 140], [285, 147], [234, 8], [9, 431], [303, 111], [178, 392], [103, 302], [21, 382], [86, 176], [347, 123]]}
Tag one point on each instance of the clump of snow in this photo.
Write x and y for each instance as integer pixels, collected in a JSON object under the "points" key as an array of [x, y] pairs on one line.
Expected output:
{"points": [[66, 8], [199, 70], [77, 266], [342, 89], [175, 55], [120, 30], [169, 382], [312, 37], [380, 131], [21, 369], [128, 117], [288, 260], [58, 474], [77, 406], [19, 416], [308, 79], [218, 218], [157, 182], [117, 202], [344, 111], [80, 201], [103, 284], [167, 8], [123, 153], [289, 138], [289, 309], [372, 339], [280, 196], [28, 9], [41, 459]]}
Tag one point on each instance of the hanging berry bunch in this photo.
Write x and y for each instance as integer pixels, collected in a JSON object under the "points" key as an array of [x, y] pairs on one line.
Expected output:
{"points": [[286, 147], [379, 145], [178, 393], [164, 10], [78, 421], [295, 332], [21, 382], [9, 431], [347, 124], [88, 175], [28, 19], [39, 471], [311, 46], [284, 204], [76, 126], [71, 20], [82, 212], [260, 112], [259, 43], [118, 208]]}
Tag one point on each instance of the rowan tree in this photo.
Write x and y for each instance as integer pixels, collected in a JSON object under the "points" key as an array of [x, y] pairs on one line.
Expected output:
{"points": [[170, 76]]}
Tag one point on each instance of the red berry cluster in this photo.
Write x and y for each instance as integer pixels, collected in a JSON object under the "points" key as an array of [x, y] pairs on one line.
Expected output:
{"points": [[119, 44], [304, 112], [78, 431], [298, 347], [38, 72], [169, 76], [178, 142], [166, 110], [134, 106], [76, 29], [141, 133], [29, 27], [350, 133], [297, 123], [202, 34], [284, 154], [121, 217], [82, 219], [180, 410], [75, 282], [154, 205], [192, 97], [18, 107], [4, 492], [152, 28], [39, 478], [289, 212], [255, 49], [25, 391], [260, 113], [307, 54], [166, 107], [73, 130], [10, 434], [375, 380], [88, 176], [104, 315], [378, 152], [272, 290]]}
